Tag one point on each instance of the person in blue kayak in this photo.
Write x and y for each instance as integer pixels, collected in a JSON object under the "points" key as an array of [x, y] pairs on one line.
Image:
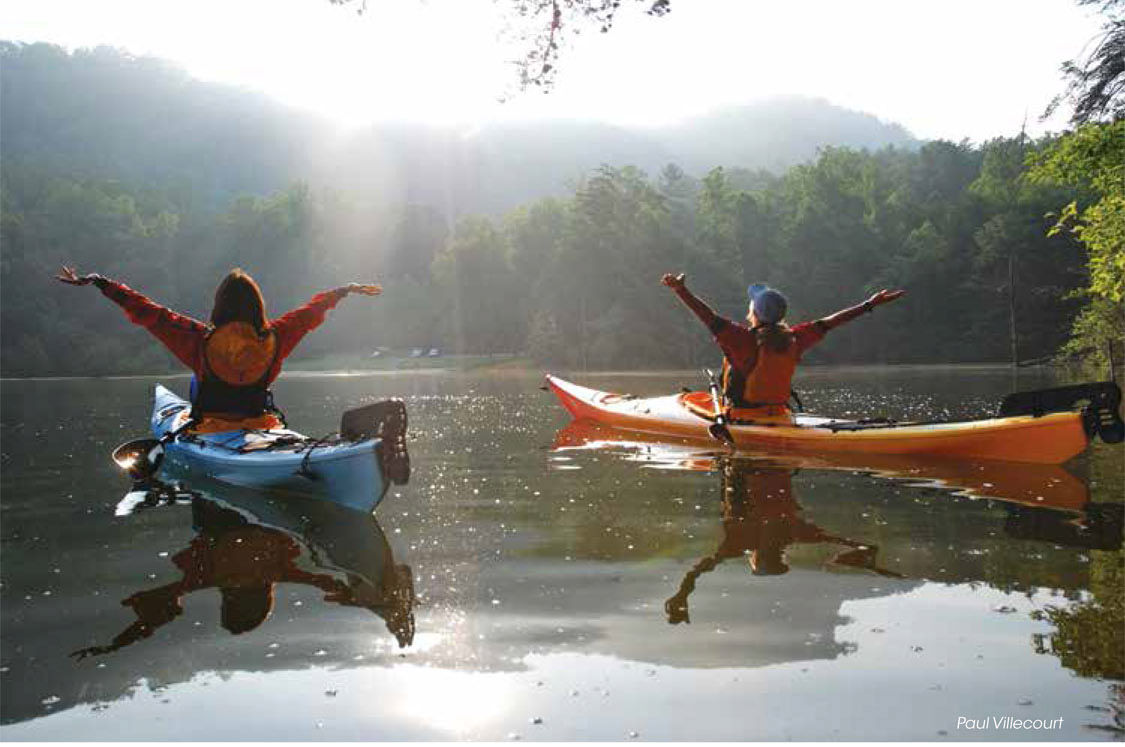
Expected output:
{"points": [[245, 562], [238, 354], [760, 357]]}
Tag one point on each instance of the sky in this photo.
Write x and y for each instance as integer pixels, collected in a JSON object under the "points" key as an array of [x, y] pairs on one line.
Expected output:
{"points": [[953, 69]]}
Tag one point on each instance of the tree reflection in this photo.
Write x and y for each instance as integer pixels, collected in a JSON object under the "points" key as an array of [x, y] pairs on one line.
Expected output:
{"points": [[1089, 636]]}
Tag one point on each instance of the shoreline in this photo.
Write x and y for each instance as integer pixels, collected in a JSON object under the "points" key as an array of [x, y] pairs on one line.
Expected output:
{"points": [[506, 366]]}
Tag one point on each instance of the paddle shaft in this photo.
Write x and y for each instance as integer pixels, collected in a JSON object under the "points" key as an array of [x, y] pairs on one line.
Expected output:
{"points": [[718, 429]]}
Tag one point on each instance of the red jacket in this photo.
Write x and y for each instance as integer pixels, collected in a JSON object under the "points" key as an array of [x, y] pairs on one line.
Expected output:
{"points": [[740, 343], [184, 336]]}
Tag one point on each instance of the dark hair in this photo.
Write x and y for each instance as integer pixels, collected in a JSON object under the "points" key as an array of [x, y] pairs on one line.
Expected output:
{"points": [[777, 337], [245, 608], [239, 299]]}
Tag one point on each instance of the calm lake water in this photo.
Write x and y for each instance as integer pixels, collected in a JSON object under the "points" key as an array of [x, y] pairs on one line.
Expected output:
{"points": [[528, 584]]}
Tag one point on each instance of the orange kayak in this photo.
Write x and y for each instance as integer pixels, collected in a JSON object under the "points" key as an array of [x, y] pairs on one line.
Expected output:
{"points": [[1051, 438]]}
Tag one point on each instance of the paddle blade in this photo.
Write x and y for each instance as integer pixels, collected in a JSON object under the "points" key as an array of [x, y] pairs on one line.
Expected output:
{"points": [[720, 432], [1099, 395], [387, 421], [152, 494], [1100, 402], [374, 421], [139, 458]]}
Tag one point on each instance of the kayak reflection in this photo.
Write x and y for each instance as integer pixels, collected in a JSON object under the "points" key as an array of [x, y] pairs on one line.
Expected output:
{"points": [[761, 518], [1034, 485], [247, 542]]}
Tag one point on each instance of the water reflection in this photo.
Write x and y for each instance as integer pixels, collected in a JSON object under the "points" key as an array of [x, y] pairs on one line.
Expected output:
{"points": [[1049, 487], [247, 542], [542, 580], [760, 520]]}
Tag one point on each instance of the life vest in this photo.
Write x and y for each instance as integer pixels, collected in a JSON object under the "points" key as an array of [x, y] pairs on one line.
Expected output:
{"points": [[762, 393], [759, 510], [236, 365]]}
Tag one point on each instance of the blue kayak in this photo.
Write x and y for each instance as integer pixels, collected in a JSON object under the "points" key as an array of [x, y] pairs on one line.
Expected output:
{"points": [[352, 472]]}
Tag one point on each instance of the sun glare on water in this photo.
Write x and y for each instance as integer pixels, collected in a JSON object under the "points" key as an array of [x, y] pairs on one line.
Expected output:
{"points": [[455, 702]]}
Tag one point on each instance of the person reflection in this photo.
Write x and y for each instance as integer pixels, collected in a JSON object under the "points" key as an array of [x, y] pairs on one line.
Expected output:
{"points": [[760, 519], [245, 562]]}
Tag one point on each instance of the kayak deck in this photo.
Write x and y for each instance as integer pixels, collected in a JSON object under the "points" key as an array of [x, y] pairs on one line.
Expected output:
{"points": [[1048, 439]]}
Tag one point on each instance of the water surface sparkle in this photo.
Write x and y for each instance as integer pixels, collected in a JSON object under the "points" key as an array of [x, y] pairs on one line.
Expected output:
{"points": [[553, 589]]}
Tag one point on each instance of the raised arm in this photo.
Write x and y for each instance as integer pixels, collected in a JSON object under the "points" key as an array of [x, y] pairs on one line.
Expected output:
{"points": [[846, 315], [676, 606], [710, 319], [294, 325], [179, 333], [154, 608]]}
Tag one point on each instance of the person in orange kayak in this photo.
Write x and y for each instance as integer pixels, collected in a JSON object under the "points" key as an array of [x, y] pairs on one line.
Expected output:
{"points": [[238, 355], [761, 356]]}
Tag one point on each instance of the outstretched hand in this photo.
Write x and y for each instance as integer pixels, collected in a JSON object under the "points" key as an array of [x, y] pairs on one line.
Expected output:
{"points": [[675, 282], [677, 609], [364, 289], [885, 296], [82, 653], [70, 277]]}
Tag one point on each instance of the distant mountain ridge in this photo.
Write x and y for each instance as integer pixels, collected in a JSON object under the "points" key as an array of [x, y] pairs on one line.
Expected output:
{"points": [[500, 166], [777, 133], [105, 113]]}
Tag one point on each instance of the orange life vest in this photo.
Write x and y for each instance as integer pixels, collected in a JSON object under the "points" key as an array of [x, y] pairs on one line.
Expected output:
{"points": [[762, 393], [237, 355], [234, 392]]}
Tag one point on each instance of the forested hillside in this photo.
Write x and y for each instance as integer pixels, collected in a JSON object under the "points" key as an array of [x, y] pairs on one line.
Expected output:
{"points": [[544, 239]]}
